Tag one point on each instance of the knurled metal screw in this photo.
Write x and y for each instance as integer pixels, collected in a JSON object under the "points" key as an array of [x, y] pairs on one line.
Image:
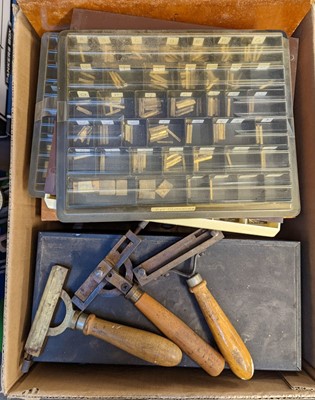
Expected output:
{"points": [[142, 272], [124, 287], [99, 273]]}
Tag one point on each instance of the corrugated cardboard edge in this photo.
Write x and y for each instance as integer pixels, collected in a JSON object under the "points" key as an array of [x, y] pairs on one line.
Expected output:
{"points": [[15, 190], [299, 381]]}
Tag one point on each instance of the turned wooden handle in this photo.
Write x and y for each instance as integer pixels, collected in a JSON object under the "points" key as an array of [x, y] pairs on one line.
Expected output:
{"points": [[228, 340], [180, 333], [145, 345]]}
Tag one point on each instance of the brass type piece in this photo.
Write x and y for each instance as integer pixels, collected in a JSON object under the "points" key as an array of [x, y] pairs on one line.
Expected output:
{"points": [[139, 161], [173, 159], [213, 106], [108, 187], [158, 79], [147, 189], [121, 187], [87, 78], [180, 107], [128, 133], [259, 134], [117, 80], [228, 157], [219, 133], [211, 79], [104, 135], [211, 188], [84, 110], [84, 134], [189, 131], [164, 188], [113, 105], [201, 155], [149, 106], [251, 105], [188, 78], [160, 132]]}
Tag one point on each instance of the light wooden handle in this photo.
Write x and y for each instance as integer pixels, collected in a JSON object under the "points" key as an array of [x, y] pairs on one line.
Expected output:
{"points": [[180, 333], [145, 345], [228, 340]]}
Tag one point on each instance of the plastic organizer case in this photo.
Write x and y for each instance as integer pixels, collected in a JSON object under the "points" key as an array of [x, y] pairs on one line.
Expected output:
{"points": [[45, 114], [158, 125]]}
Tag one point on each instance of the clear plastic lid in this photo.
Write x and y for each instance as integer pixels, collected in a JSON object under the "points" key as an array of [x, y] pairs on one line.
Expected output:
{"points": [[45, 114], [171, 125]]}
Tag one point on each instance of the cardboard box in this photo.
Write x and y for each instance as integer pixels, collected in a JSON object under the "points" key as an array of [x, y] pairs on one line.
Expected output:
{"points": [[59, 381]]}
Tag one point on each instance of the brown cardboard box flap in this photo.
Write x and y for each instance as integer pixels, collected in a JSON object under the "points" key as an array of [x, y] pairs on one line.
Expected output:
{"points": [[146, 383], [285, 15], [299, 381]]}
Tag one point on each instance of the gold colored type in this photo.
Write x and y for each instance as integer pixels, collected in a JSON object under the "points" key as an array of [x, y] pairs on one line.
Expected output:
{"points": [[84, 134], [189, 130], [259, 134], [84, 110], [158, 80], [164, 188], [225, 53], [200, 156], [87, 78], [147, 189], [104, 135], [117, 80], [139, 161], [211, 79], [211, 188], [182, 106], [173, 159], [113, 105], [219, 132], [149, 106], [128, 133], [251, 105], [252, 53], [160, 132], [213, 106], [228, 157], [188, 78], [108, 187]]}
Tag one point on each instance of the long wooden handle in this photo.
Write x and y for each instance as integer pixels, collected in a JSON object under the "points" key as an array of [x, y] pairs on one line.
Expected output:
{"points": [[145, 345], [228, 340], [180, 333]]}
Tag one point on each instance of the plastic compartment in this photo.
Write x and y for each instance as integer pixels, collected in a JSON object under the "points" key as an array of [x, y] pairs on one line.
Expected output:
{"points": [[45, 114], [199, 132], [196, 124], [186, 103], [135, 133], [269, 102], [166, 132], [166, 190], [150, 104]]}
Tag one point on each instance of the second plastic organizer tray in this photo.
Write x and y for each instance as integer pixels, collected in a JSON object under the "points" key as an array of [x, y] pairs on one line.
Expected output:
{"points": [[45, 114], [158, 125]]}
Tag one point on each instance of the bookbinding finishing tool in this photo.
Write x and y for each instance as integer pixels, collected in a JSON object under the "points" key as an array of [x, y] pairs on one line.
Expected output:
{"points": [[146, 345]]}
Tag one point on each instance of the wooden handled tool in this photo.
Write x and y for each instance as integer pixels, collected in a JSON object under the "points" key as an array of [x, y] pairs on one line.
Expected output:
{"points": [[180, 333], [228, 340], [146, 345]]}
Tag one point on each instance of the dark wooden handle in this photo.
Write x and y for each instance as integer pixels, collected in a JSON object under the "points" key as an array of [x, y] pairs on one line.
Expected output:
{"points": [[145, 345], [228, 340], [180, 333]]}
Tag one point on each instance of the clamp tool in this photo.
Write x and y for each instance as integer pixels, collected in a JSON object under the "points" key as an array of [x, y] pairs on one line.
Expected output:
{"points": [[107, 271]]}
